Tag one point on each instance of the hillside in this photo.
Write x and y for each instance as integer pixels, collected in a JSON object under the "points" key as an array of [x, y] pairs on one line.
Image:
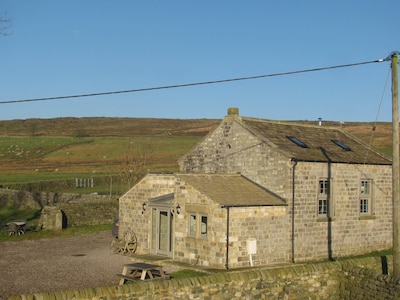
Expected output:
{"points": [[101, 126], [50, 154]]}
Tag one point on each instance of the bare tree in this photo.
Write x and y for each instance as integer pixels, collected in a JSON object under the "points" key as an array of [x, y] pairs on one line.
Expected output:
{"points": [[133, 164], [5, 25]]}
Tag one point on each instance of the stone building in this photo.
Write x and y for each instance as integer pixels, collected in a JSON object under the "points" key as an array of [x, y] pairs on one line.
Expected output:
{"points": [[259, 192]]}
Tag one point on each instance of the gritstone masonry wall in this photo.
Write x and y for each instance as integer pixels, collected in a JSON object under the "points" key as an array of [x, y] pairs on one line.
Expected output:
{"points": [[345, 280]]}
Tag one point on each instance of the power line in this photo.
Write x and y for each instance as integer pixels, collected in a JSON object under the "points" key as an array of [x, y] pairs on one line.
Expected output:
{"points": [[191, 84]]}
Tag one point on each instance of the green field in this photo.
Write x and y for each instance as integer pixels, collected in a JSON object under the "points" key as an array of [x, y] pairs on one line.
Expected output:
{"points": [[50, 154], [38, 159]]}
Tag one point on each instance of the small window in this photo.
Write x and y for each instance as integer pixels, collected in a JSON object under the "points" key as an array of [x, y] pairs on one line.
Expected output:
{"points": [[364, 206], [203, 227], [322, 207], [365, 197], [198, 229], [323, 195], [323, 187], [342, 145], [297, 141], [192, 225]]}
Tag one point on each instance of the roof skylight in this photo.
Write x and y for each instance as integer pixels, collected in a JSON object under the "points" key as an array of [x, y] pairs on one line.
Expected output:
{"points": [[341, 145], [297, 141]]}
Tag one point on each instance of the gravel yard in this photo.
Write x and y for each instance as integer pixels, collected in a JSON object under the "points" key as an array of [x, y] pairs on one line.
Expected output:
{"points": [[28, 267]]}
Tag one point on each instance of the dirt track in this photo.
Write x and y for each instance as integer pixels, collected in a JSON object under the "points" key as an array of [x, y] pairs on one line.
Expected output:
{"points": [[28, 267]]}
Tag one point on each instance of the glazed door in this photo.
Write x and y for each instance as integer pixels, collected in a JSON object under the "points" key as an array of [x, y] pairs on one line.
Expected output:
{"points": [[161, 237]]}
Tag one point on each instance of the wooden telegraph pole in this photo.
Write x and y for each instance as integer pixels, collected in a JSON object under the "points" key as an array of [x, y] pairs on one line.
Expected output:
{"points": [[395, 167]]}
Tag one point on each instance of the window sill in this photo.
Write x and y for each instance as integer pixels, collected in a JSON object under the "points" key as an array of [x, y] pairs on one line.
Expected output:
{"points": [[197, 238], [325, 219], [367, 217]]}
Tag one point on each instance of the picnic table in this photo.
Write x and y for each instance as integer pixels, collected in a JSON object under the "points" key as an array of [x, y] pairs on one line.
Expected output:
{"points": [[17, 227], [142, 271]]}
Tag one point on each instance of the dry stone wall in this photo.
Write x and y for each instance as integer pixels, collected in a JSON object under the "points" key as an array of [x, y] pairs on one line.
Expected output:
{"points": [[78, 209], [360, 283], [331, 280]]}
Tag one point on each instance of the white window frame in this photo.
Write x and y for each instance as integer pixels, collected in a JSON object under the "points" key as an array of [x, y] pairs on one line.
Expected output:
{"points": [[197, 227], [193, 225], [323, 197], [203, 226], [365, 199]]}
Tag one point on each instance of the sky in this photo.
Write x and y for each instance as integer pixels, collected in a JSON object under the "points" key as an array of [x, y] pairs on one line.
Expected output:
{"points": [[75, 47]]}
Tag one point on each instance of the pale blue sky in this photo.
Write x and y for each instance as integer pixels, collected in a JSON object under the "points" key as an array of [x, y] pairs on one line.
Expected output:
{"points": [[60, 48]]}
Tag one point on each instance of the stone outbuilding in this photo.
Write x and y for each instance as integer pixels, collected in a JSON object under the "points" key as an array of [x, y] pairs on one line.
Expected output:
{"points": [[260, 192]]}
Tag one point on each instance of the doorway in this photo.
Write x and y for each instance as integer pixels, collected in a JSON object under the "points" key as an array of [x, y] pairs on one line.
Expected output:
{"points": [[162, 231]]}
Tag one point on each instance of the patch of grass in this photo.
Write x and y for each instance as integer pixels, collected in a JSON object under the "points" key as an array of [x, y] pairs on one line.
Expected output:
{"points": [[27, 159], [386, 252], [9, 214], [187, 273], [20, 148], [371, 254]]}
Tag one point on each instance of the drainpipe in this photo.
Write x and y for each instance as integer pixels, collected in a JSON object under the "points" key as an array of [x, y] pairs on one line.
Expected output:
{"points": [[294, 163], [227, 238]]}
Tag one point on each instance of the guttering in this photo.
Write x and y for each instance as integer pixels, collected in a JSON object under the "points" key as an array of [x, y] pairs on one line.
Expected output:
{"points": [[227, 238], [294, 163]]}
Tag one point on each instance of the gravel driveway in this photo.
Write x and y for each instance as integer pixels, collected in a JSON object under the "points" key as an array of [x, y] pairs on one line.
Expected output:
{"points": [[28, 267]]}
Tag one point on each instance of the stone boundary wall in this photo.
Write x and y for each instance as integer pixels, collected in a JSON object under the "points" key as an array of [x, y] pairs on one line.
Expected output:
{"points": [[330, 280], [360, 283], [79, 209], [92, 212]]}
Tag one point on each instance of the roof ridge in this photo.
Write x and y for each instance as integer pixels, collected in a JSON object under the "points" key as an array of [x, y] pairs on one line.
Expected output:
{"points": [[209, 174], [292, 123]]}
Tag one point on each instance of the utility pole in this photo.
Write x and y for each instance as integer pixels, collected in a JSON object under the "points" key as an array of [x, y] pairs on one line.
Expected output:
{"points": [[395, 166]]}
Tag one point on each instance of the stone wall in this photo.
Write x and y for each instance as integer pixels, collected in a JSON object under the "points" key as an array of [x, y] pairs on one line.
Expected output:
{"points": [[52, 218], [331, 280], [267, 225], [232, 149], [347, 232], [360, 283], [197, 250], [131, 216], [78, 209], [93, 212]]}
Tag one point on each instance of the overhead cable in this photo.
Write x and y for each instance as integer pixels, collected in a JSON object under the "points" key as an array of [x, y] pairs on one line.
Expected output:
{"points": [[190, 84]]}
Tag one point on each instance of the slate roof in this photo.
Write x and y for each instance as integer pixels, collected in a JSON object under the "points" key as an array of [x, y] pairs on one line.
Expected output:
{"points": [[232, 190], [318, 141]]}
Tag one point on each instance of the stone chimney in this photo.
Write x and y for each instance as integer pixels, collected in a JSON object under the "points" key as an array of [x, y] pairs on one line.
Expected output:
{"points": [[233, 113]]}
